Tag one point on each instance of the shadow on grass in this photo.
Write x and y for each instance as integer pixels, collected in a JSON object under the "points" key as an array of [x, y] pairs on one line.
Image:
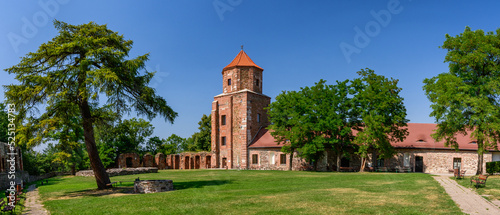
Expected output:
{"points": [[127, 190], [199, 184]]}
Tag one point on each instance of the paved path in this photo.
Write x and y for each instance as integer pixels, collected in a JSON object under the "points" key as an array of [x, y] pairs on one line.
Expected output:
{"points": [[32, 203], [467, 199]]}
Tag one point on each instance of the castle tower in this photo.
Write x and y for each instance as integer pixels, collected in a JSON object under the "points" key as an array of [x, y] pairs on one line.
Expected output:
{"points": [[238, 113]]}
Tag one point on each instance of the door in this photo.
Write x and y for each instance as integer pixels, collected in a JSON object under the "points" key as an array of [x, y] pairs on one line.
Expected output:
{"points": [[419, 164], [223, 162], [208, 162], [128, 162]]}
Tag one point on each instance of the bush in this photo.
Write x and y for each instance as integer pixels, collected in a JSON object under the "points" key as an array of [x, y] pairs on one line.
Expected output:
{"points": [[493, 167]]}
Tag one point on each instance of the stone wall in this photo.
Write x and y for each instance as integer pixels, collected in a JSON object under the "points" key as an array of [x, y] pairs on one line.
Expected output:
{"points": [[120, 171], [153, 186], [440, 161], [270, 159]]}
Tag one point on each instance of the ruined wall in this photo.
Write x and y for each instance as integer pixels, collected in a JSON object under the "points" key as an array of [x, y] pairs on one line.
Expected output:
{"points": [[148, 160], [160, 161], [134, 158], [194, 160]]}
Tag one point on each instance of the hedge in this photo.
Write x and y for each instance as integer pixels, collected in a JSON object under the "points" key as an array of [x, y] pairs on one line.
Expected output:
{"points": [[493, 167]]}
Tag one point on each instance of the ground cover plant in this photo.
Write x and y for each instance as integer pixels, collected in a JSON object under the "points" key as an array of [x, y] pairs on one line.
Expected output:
{"points": [[491, 191], [254, 192]]}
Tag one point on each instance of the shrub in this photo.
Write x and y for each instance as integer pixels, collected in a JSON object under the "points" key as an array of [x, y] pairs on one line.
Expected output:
{"points": [[493, 167]]}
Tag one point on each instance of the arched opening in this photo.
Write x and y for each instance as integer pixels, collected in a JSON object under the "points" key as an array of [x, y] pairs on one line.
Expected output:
{"points": [[186, 162], [197, 162], [128, 162], [208, 161]]}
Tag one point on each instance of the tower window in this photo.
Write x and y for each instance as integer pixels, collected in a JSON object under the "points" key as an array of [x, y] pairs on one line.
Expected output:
{"points": [[228, 81], [257, 82], [255, 159], [223, 141], [223, 119], [258, 117]]}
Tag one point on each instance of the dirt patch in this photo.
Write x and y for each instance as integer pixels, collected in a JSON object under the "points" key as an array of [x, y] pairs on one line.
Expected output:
{"points": [[108, 192]]}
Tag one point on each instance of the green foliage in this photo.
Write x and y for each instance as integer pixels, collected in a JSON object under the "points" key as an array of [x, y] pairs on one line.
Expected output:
{"points": [[76, 68], [323, 117], [465, 99], [4, 121], [130, 133], [203, 138], [381, 112], [493, 167], [154, 145]]}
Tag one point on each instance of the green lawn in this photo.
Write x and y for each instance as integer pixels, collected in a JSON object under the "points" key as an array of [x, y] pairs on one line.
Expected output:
{"points": [[255, 192], [491, 190]]}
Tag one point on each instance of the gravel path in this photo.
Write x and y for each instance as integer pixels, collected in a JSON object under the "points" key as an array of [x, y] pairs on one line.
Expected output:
{"points": [[32, 203], [468, 200]]}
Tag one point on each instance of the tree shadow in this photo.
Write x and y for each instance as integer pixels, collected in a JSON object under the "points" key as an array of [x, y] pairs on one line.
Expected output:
{"points": [[128, 189], [199, 184]]}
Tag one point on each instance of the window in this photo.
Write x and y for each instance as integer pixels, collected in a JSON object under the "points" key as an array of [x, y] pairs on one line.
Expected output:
{"points": [[283, 159], [228, 81], [421, 141], [257, 82], [223, 119], [457, 163], [406, 160], [380, 162], [258, 117], [473, 142], [223, 141], [255, 159]]}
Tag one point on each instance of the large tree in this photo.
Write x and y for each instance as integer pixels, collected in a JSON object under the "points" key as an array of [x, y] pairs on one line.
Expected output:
{"points": [[466, 99], [285, 115], [313, 120], [79, 66], [381, 112]]}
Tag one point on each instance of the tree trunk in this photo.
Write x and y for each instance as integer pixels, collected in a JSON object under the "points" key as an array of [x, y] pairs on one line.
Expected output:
{"points": [[480, 150], [290, 162], [339, 158], [479, 164], [363, 163], [73, 169], [100, 174]]}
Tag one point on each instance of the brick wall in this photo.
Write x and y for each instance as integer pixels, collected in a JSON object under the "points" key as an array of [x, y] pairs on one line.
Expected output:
{"points": [[122, 160]]}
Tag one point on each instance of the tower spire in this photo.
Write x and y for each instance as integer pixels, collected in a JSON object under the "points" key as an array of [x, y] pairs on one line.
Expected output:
{"points": [[241, 47]]}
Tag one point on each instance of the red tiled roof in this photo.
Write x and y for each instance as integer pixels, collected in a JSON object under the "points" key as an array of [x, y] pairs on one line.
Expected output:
{"points": [[263, 139], [419, 137], [241, 59]]}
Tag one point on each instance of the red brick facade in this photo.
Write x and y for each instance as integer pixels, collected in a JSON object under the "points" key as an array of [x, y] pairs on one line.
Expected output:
{"points": [[238, 113]]}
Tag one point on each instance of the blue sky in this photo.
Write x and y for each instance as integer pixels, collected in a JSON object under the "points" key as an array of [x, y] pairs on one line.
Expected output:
{"points": [[296, 42]]}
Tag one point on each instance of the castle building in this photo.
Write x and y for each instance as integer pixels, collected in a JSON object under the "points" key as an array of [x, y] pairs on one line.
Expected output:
{"points": [[240, 139], [238, 113]]}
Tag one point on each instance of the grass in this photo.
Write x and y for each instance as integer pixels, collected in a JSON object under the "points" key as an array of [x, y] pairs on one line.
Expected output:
{"points": [[491, 191], [254, 192]]}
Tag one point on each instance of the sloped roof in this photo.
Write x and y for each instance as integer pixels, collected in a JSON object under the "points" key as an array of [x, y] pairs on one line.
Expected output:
{"points": [[241, 59], [419, 137]]}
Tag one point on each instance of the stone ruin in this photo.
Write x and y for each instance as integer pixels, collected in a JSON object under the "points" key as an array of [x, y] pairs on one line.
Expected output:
{"points": [[153, 186], [185, 160]]}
